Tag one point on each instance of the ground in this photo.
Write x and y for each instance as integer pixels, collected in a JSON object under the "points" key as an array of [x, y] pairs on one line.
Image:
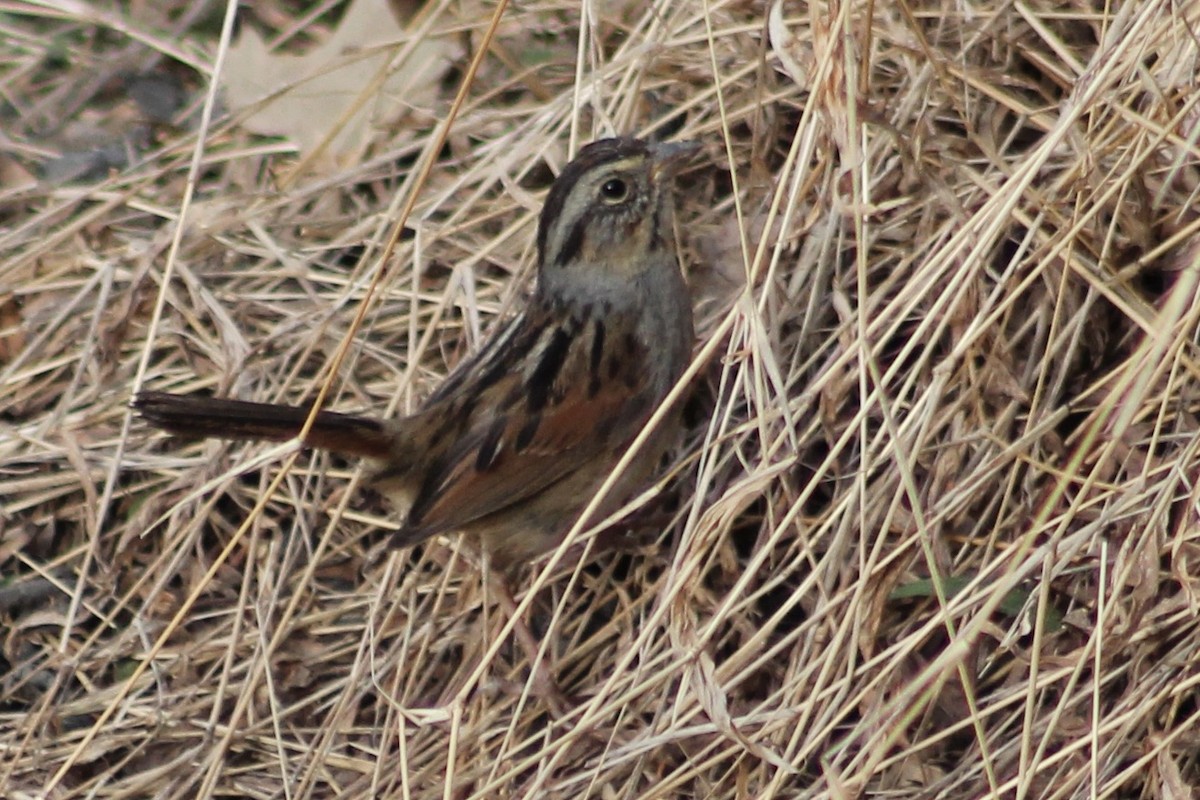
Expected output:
{"points": [[933, 529]]}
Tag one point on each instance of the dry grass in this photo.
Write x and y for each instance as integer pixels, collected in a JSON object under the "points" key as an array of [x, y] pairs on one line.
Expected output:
{"points": [[936, 529]]}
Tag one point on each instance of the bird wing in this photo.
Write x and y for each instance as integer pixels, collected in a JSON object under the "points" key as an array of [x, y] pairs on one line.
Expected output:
{"points": [[573, 409]]}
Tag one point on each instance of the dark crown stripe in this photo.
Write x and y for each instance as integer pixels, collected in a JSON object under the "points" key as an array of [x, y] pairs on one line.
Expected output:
{"points": [[605, 151]]}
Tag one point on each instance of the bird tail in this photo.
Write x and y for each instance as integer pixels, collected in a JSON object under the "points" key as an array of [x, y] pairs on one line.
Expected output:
{"points": [[219, 418]]}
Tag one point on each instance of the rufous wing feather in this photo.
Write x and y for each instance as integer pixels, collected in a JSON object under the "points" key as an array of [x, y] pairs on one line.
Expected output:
{"points": [[508, 465], [536, 436]]}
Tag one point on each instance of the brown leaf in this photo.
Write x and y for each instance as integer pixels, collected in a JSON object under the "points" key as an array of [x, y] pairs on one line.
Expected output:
{"points": [[314, 99]]}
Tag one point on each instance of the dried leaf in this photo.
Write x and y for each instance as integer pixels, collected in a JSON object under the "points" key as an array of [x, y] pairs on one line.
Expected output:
{"points": [[313, 97]]}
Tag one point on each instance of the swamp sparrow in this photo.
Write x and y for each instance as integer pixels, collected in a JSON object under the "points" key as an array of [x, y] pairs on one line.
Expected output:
{"points": [[516, 441]]}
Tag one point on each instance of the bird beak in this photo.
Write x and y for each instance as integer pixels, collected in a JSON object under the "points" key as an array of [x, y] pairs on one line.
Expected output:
{"points": [[667, 158]]}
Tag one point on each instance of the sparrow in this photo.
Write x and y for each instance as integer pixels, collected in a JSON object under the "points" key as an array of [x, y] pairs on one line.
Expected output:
{"points": [[516, 441]]}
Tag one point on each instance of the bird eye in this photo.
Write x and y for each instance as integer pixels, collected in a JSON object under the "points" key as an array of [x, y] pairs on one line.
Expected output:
{"points": [[614, 190]]}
